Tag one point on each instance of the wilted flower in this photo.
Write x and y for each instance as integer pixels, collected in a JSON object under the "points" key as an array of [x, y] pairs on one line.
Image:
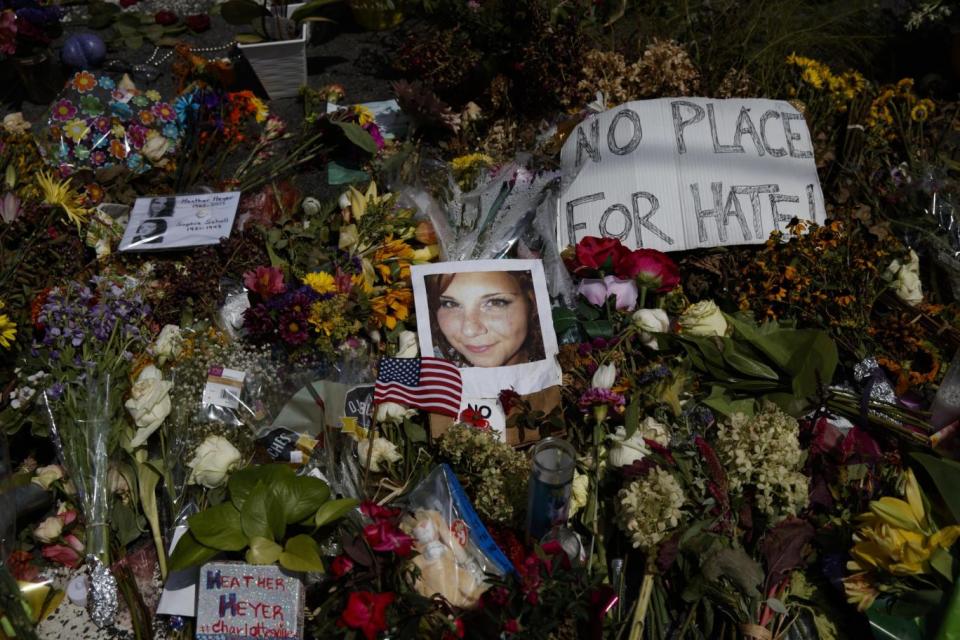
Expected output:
{"points": [[703, 319], [625, 451], [265, 281], [384, 452], [651, 321], [650, 508], [604, 376], [906, 277]]}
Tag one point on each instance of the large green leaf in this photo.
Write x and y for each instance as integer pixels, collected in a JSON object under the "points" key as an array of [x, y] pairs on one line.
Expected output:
{"points": [[242, 12], [263, 551], [946, 477], [219, 527], [333, 510], [300, 496], [242, 482], [301, 554], [190, 553], [310, 9], [339, 174], [740, 358], [262, 515], [358, 136]]}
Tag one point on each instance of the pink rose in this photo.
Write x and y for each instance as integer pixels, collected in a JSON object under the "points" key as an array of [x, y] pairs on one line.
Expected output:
{"points": [[597, 291], [66, 554]]}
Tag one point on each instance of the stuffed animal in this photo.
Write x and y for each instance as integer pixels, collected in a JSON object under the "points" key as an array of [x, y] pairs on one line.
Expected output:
{"points": [[446, 567]]}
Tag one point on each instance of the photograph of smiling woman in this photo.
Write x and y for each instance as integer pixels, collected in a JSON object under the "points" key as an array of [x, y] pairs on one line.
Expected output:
{"points": [[492, 318], [484, 318]]}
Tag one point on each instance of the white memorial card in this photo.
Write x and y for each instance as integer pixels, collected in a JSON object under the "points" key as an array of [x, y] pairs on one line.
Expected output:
{"points": [[176, 222]]}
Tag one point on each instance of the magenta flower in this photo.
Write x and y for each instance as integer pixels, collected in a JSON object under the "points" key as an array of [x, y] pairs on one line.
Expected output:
{"points": [[265, 281], [386, 536], [596, 397], [63, 110], [597, 291], [8, 32]]}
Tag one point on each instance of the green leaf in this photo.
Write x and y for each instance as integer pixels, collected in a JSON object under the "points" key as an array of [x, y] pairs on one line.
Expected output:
{"points": [[301, 554], [242, 482], [598, 328], [946, 478], [133, 42], [777, 606], [356, 134], [631, 419], [263, 551], [741, 360], [219, 527], [262, 515], [309, 9], [124, 522], [190, 553], [720, 401], [333, 510], [414, 432], [248, 38], [242, 12], [338, 174], [300, 496]]}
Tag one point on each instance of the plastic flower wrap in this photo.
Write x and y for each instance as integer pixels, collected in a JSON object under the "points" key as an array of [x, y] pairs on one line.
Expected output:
{"points": [[96, 123]]}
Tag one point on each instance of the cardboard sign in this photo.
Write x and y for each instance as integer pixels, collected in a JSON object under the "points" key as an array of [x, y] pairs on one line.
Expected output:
{"points": [[237, 601], [684, 173]]}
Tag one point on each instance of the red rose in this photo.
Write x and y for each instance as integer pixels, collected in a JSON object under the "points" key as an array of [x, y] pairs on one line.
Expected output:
{"points": [[385, 536], [197, 23], [652, 268], [127, 3], [375, 512], [366, 611], [509, 399], [511, 626], [601, 254], [456, 632], [165, 18], [21, 565], [342, 565]]}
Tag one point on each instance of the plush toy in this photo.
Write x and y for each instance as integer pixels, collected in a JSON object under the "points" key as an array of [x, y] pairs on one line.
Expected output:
{"points": [[446, 567]]}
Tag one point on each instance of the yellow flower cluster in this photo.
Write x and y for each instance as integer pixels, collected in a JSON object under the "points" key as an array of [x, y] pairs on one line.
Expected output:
{"points": [[471, 160], [321, 282], [8, 329], [895, 537], [880, 117], [843, 88]]}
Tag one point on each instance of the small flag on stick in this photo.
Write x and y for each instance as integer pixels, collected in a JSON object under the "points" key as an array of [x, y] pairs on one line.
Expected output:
{"points": [[431, 384]]}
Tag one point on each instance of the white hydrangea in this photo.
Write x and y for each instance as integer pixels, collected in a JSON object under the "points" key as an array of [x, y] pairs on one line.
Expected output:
{"points": [[650, 508], [764, 452]]}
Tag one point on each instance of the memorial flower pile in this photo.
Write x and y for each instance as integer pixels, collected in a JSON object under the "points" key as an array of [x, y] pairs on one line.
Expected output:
{"points": [[717, 405]]}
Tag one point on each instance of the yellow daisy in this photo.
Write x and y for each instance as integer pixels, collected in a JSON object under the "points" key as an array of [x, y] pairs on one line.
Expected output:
{"points": [[8, 329], [321, 282], [57, 193]]}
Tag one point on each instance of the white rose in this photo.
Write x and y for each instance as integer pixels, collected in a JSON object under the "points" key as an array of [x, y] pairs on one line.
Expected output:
{"points": [[578, 493], [604, 376], [46, 476], [155, 148], [703, 319], [311, 206], [907, 279], [15, 123], [625, 451], [384, 451], [213, 460], [393, 412], [149, 403], [48, 530], [407, 345], [168, 344], [651, 321]]}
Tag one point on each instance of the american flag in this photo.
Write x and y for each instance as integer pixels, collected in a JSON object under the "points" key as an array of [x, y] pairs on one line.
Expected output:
{"points": [[432, 384]]}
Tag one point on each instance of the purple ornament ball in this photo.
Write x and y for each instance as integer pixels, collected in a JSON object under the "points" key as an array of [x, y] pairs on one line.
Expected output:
{"points": [[83, 51]]}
